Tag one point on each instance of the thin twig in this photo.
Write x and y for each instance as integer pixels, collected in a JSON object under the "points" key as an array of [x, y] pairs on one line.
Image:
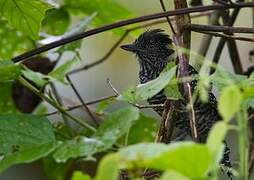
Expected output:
{"points": [[112, 87], [27, 84], [81, 105], [125, 23], [224, 29], [104, 58], [192, 114], [60, 102], [227, 36], [168, 20], [82, 101]]}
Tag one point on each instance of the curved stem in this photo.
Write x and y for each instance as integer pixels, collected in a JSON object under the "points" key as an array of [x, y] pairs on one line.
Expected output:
{"points": [[125, 23]]}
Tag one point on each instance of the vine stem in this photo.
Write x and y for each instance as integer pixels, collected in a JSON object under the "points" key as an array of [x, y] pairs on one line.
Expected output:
{"points": [[27, 84], [128, 22], [242, 121]]}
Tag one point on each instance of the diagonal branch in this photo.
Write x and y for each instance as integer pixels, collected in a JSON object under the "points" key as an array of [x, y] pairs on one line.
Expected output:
{"points": [[82, 102], [125, 23]]}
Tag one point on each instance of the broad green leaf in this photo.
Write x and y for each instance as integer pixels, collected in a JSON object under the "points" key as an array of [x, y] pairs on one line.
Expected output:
{"points": [[9, 71], [7, 105], [173, 175], [149, 89], [25, 15], [77, 147], [12, 41], [24, 138], [229, 102], [215, 141], [60, 72], [169, 157], [143, 130], [222, 78], [78, 175], [113, 127], [109, 168], [56, 21], [39, 79], [116, 124]]}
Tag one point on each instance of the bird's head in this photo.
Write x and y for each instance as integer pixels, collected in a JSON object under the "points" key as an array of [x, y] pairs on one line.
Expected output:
{"points": [[153, 47]]}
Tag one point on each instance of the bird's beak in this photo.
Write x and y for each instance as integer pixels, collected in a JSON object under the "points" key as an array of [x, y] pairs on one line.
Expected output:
{"points": [[129, 47]]}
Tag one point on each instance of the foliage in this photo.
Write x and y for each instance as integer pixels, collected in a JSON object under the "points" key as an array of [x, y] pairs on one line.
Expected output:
{"points": [[125, 136]]}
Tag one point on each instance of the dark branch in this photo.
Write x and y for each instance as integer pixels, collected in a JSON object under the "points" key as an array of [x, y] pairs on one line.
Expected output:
{"points": [[224, 29], [227, 36], [82, 101], [168, 20], [125, 23]]}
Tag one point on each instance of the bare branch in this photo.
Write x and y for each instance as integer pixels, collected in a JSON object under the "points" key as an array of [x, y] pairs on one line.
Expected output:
{"points": [[168, 20], [227, 36], [224, 29], [82, 101], [125, 23]]}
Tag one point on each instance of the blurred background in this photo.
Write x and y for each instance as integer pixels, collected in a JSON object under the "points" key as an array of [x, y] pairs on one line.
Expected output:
{"points": [[122, 68]]}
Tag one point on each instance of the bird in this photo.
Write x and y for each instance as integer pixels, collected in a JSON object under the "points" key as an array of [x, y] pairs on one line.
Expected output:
{"points": [[154, 50]]}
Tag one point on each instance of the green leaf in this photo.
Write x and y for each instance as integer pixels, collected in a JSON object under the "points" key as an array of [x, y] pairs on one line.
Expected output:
{"points": [[248, 96], [41, 109], [173, 175], [77, 147], [78, 175], [12, 42], [229, 102], [24, 138], [172, 92], [113, 127], [7, 105], [143, 130], [56, 21], [149, 89], [9, 71], [215, 141], [39, 79], [222, 78], [60, 72], [103, 105], [169, 157], [108, 168], [25, 15]]}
